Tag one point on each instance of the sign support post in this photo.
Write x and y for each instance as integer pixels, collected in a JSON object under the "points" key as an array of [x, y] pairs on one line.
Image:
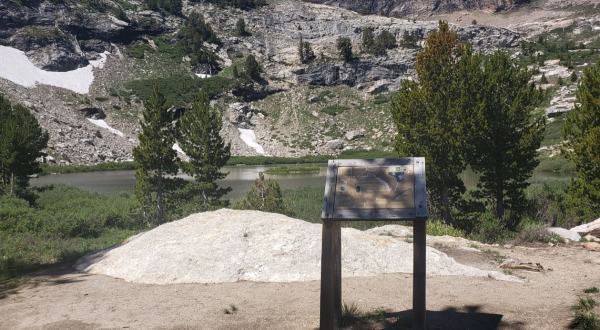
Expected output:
{"points": [[372, 189]]}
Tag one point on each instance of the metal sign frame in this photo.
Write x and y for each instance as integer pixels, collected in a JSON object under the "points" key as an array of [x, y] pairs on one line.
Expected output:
{"points": [[331, 258]]}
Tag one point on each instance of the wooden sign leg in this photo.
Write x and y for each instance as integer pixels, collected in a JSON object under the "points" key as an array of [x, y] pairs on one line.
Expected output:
{"points": [[331, 275], [419, 252]]}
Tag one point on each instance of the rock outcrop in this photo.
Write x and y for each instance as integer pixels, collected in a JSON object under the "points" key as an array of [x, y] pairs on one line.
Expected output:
{"points": [[412, 8], [256, 246]]}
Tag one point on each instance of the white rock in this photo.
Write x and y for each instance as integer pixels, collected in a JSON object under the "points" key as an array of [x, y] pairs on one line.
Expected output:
{"points": [[588, 227], [564, 233], [230, 246]]}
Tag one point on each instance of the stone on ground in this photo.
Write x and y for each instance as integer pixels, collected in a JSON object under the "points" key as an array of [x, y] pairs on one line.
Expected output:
{"points": [[565, 233], [591, 228], [229, 246]]}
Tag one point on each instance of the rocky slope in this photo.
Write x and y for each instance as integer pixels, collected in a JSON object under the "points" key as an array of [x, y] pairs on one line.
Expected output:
{"points": [[414, 8], [323, 107]]}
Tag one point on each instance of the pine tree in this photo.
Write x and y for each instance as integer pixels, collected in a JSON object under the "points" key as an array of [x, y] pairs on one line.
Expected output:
{"points": [[265, 196], [236, 73], [428, 114], [573, 76], [194, 33], [503, 140], [582, 134], [21, 143], [240, 27], [199, 137], [301, 56], [344, 47], [252, 67], [155, 156], [309, 55], [543, 79], [368, 39]]}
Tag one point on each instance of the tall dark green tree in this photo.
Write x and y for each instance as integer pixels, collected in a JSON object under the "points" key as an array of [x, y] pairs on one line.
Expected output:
{"points": [[240, 27], [194, 33], [503, 138], [368, 39], [199, 138], [156, 157], [344, 47], [252, 67], [301, 55], [427, 114], [582, 134], [309, 54], [21, 143]]}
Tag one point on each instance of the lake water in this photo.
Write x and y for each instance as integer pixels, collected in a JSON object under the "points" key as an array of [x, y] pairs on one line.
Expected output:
{"points": [[240, 179]]}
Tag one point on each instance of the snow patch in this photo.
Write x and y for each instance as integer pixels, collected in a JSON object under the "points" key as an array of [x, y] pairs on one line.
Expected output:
{"points": [[177, 148], [16, 67], [103, 124], [203, 75], [247, 135]]}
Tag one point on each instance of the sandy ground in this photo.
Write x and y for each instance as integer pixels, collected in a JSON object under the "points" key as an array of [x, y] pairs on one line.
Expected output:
{"points": [[66, 299]]}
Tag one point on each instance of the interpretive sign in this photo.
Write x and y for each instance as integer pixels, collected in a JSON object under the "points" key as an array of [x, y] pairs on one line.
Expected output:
{"points": [[371, 189], [375, 189]]}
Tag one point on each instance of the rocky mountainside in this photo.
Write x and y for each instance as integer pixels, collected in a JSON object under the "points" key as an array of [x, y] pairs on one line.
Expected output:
{"points": [[417, 8], [324, 106]]}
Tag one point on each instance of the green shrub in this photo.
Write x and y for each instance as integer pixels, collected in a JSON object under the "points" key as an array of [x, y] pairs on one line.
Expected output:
{"points": [[265, 196], [437, 228], [181, 89], [137, 51], [585, 317], [381, 99], [334, 109], [489, 229], [63, 223]]}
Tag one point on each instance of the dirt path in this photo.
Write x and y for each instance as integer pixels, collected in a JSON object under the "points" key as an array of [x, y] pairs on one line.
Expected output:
{"points": [[66, 299]]}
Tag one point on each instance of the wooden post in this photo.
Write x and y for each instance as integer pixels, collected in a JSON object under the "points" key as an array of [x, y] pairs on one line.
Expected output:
{"points": [[331, 275], [419, 252]]}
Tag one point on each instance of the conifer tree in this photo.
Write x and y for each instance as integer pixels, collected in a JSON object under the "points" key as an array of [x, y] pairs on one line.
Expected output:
{"points": [[301, 56], [427, 114], [240, 27], [368, 39], [503, 139], [252, 67], [344, 47], [199, 137], [265, 196], [582, 134], [21, 143], [156, 157], [309, 55]]}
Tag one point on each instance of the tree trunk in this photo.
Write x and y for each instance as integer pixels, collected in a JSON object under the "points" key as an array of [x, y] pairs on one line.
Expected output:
{"points": [[499, 200], [12, 182], [160, 197], [446, 215]]}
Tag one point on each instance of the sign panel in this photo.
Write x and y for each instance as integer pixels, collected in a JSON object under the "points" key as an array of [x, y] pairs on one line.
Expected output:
{"points": [[375, 189]]}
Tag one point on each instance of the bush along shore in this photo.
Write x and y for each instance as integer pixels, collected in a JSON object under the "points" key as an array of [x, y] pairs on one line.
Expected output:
{"points": [[59, 223]]}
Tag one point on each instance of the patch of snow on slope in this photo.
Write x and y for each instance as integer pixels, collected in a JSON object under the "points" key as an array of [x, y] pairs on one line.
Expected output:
{"points": [[203, 75], [177, 148], [16, 67], [247, 135], [103, 124]]}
